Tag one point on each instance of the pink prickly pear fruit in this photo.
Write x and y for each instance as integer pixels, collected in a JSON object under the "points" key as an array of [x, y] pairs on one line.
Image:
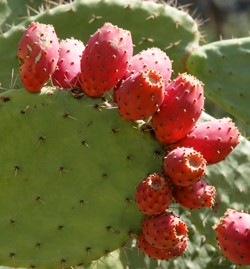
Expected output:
{"points": [[214, 139], [164, 230], [196, 196], [38, 55], [153, 59], [140, 95], [68, 70], [184, 166], [161, 254], [105, 59], [180, 110], [233, 235], [153, 195]]}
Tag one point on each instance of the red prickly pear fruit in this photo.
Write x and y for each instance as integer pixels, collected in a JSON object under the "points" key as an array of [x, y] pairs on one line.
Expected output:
{"points": [[105, 59], [153, 59], [164, 230], [214, 139], [68, 69], [153, 195], [140, 95], [196, 196], [38, 55], [233, 235], [180, 110], [161, 254], [184, 166]]}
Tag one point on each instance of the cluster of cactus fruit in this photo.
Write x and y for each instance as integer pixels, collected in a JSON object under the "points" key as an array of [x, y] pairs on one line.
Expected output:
{"points": [[142, 90]]}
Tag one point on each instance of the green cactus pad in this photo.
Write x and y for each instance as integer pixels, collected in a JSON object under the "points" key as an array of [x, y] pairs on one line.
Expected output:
{"points": [[151, 25], [5, 11], [69, 169], [14, 12], [223, 67]]}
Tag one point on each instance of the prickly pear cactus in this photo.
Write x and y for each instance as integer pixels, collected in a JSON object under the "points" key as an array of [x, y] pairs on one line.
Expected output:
{"points": [[4, 11], [70, 168], [231, 180], [52, 217], [81, 18], [14, 12]]}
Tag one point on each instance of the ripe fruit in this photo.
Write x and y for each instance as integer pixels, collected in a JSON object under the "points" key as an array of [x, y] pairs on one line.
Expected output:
{"points": [[161, 254], [214, 139], [233, 235], [105, 59], [153, 195], [67, 73], [196, 196], [140, 95], [38, 55], [153, 59], [180, 110], [164, 230], [184, 166]]}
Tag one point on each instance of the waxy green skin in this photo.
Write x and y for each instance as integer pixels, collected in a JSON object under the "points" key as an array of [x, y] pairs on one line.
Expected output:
{"points": [[14, 12], [69, 172], [223, 66]]}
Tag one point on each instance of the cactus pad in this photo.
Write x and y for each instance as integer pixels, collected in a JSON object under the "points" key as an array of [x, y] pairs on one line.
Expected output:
{"points": [[223, 66], [69, 169]]}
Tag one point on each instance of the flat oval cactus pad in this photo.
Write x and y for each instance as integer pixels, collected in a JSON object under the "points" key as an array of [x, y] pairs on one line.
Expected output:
{"points": [[69, 169]]}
